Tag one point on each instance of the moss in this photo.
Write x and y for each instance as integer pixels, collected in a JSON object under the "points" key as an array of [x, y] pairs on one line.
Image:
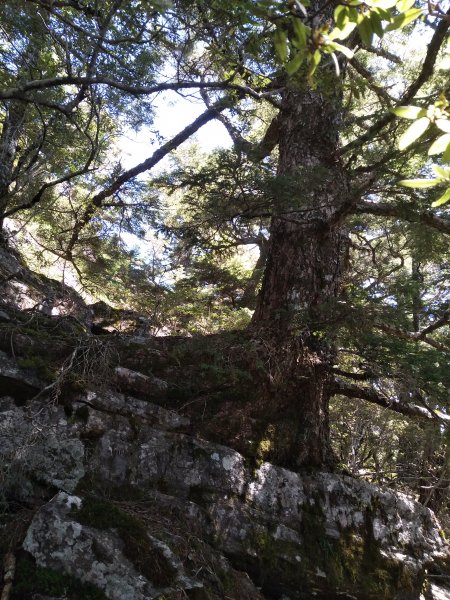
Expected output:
{"points": [[42, 367], [31, 579], [126, 492], [352, 564], [148, 560]]}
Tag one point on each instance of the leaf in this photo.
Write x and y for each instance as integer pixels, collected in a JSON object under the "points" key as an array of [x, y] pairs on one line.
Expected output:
{"points": [[280, 42], [413, 132], [404, 19], [419, 183], [294, 65], [341, 15], [442, 199], [345, 51], [301, 32], [443, 124], [341, 34], [404, 5], [446, 155], [409, 112], [376, 24], [301, 7], [314, 61], [439, 145], [353, 14], [384, 14], [365, 31], [441, 172], [385, 4]]}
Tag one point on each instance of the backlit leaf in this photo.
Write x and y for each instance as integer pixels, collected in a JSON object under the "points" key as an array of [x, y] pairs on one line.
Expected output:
{"points": [[441, 171], [404, 19], [301, 32], [280, 42], [439, 145], [413, 132], [409, 112], [341, 15], [345, 51], [442, 199], [443, 124], [342, 34], [419, 183], [365, 31]]}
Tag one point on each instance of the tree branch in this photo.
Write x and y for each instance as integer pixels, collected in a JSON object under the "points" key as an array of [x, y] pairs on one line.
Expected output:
{"points": [[133, 89], [419, 336], [351, 390], [97, 200], [406, 212]]}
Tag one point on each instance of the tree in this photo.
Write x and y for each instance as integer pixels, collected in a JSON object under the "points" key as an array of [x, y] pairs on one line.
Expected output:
{"points": [[322, 176]]}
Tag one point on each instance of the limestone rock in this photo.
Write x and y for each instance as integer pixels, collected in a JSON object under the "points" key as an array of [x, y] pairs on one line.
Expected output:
{"points": [[36, 446], [17, 382], [143, 385], [56, 540]]}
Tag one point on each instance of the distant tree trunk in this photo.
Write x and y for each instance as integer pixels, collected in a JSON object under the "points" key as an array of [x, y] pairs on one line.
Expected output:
{"points": [[302, 280]]}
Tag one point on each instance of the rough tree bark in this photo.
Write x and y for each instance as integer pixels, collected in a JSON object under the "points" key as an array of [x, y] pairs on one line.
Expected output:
{"points": [[302, 280]]}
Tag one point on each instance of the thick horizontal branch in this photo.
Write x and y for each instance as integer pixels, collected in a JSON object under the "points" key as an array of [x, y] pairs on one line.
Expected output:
{"points": [[133, 89], [351, 390], [404, 212]]}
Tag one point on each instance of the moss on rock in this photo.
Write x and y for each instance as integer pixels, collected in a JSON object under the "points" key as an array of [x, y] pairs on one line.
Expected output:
{"points": [[31, 579], [148, 559]]}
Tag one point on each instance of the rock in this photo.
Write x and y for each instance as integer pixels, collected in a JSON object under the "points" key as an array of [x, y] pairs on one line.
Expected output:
{"points": [[36, 446], [58, 540], [25, 290], [20, 383], [439, 593], [321, 533], [115, 403], [291, 531], [4, 317], [145, 386]]}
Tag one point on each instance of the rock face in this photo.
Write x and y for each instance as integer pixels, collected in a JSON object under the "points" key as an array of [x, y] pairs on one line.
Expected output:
{"points": [[126, 502], [296, 535]]}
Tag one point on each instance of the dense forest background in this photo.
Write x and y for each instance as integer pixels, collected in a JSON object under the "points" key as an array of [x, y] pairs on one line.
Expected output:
{"points": [[298, 234]]}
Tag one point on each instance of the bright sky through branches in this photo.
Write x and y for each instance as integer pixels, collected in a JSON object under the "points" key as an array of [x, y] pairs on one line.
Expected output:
{"points": [[172, 115]]}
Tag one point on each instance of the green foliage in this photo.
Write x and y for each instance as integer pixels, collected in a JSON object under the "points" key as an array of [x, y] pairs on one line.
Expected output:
{"points": [[437, 113], [295, 42]]}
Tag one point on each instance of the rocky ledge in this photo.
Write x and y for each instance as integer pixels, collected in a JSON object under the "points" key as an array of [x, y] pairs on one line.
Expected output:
{"points": [[141, 509]]}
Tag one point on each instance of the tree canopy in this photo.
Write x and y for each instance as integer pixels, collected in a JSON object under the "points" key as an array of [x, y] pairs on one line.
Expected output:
{"points": [[320, 224]]}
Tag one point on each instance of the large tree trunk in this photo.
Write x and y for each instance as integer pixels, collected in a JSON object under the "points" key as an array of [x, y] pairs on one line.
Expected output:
{"points": [[302, 281]]}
